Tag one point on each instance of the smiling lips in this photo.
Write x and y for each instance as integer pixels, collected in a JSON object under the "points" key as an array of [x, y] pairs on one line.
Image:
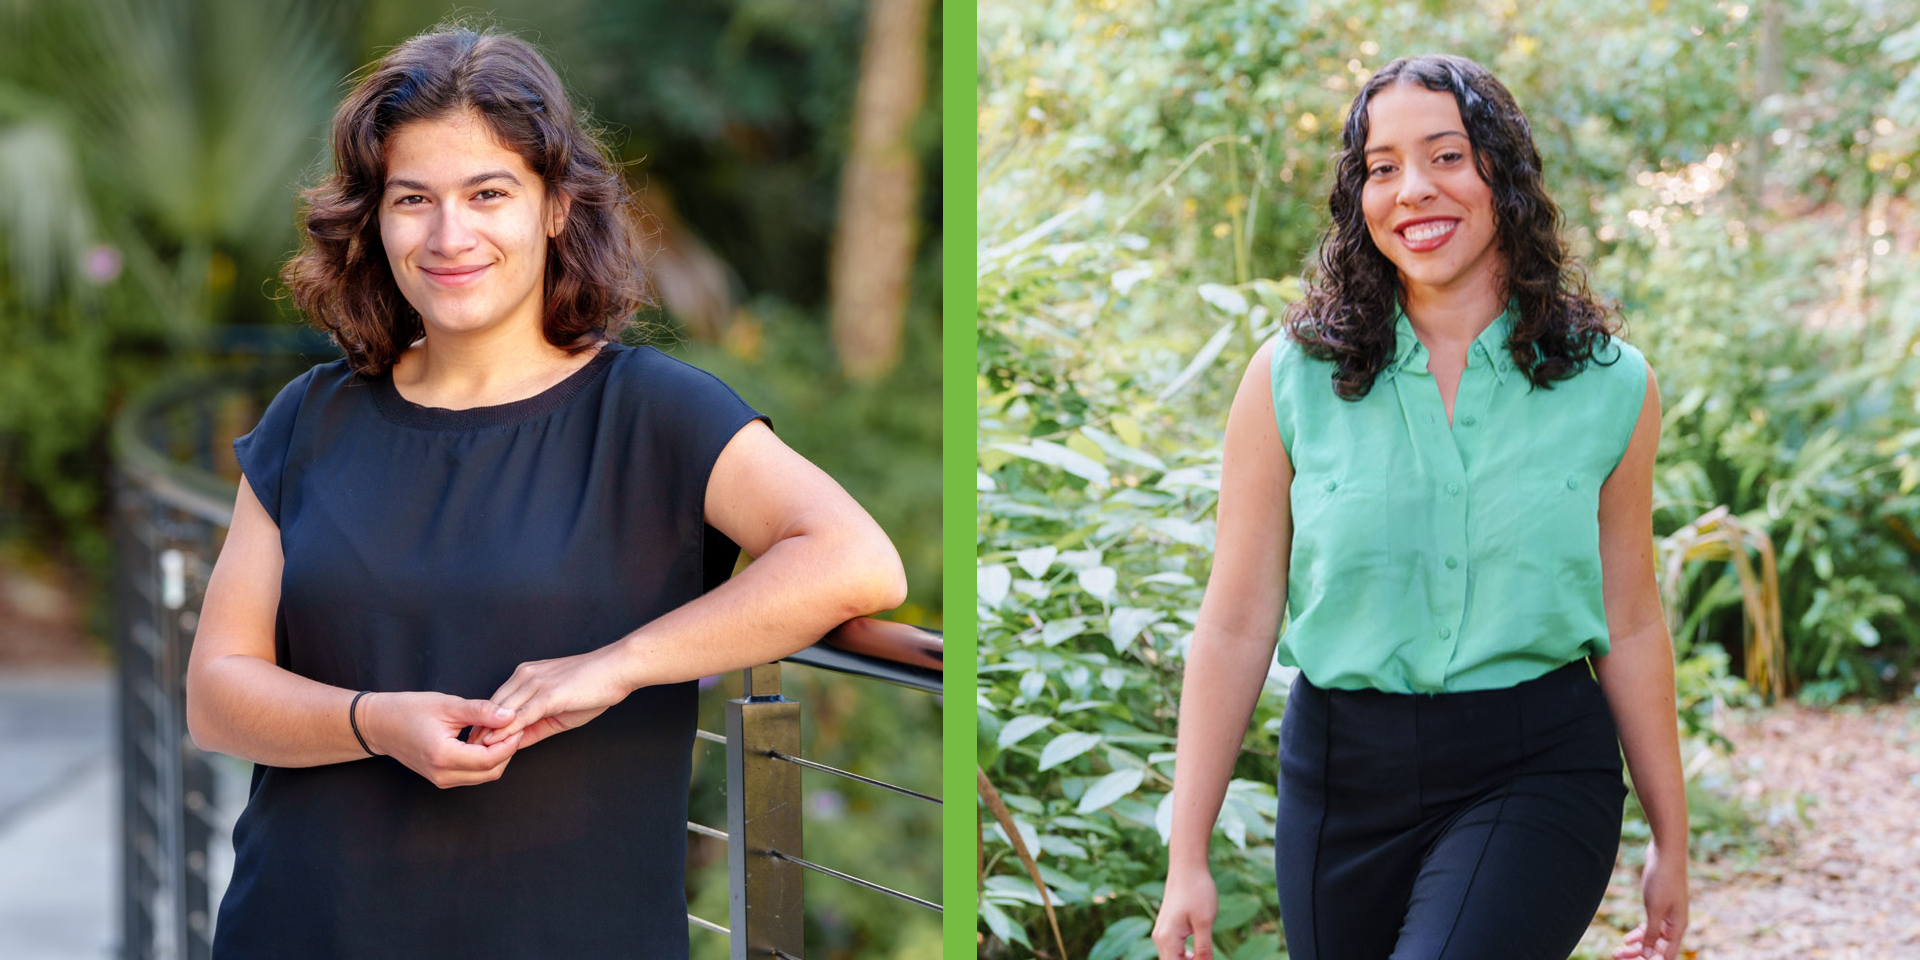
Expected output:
{"points": [[455, 276], [1425, 235]]}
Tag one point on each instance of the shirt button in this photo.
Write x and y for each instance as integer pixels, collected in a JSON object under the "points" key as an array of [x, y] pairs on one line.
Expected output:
{"points": [[1445, 633], [1453, 562], [1453, 489], [1467, 420], [1331, 484], [1573, 483]]}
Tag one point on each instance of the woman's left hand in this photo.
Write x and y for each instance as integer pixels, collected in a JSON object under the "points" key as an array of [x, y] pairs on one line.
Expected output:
{"points": [[548, 696], [1664, 886]]}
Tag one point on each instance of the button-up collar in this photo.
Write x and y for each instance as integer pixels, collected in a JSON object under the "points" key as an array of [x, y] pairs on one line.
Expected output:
{"points": [[1489, 348]]}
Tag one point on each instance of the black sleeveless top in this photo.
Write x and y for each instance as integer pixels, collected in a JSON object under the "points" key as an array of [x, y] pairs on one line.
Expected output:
{"points": [[432, 549]]}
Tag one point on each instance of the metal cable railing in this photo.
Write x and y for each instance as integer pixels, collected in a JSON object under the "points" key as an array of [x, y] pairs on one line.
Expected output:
{"points": [[836, 771], [170, 508], [850, 878]]}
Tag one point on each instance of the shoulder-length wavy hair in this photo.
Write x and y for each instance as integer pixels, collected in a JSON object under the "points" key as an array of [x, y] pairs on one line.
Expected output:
{"points": [[339, 278], [1347, 314]]}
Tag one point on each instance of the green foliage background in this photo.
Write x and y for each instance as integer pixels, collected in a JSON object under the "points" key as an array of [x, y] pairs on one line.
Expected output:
{"points": [[171, 138], [150, 154], [1152, 177]]}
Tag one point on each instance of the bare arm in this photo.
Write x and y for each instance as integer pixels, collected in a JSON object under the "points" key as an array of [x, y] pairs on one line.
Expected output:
{"points": [[1233, 641], [241, 702], [820, 561], [1637, 672]]}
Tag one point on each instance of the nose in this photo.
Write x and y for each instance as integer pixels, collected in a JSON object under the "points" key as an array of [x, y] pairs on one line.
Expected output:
{"points": [[1416, 186], [451, 235]]}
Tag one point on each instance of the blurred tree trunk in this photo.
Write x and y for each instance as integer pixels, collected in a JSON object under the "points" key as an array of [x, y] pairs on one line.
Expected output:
{"points": [[1769, 81], [874, 238]]}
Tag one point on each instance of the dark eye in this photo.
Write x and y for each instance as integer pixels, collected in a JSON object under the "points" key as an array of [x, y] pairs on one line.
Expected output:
{"points": [[407, 200], [1381, 170], [1452, 155], [488, 194]]}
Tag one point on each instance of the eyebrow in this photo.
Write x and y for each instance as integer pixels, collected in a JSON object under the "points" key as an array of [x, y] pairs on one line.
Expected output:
{"points": [[1431, 137], [471, 182]]}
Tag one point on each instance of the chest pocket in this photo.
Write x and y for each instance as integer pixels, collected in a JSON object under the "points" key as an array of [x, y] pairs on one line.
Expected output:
{"points": [[1356, 521], [1546, 518]]}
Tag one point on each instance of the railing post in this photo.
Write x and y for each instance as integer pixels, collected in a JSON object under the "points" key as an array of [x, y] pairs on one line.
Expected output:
{"points": [[169, 571], [183, 584], [135, 670], [763, 815]]}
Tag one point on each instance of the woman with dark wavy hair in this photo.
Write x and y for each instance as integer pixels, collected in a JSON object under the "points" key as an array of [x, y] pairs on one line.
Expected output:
{"points": [[1441, 475], [491, 526]]}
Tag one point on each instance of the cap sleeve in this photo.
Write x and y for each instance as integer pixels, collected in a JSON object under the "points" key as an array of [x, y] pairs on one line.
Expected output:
{"points": [[1629, 378], [263, 451], [697, 415], [1283, 379], [706, 414]]}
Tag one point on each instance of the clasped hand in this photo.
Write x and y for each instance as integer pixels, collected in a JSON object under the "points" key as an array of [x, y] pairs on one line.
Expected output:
{"points": [[542, 698]]}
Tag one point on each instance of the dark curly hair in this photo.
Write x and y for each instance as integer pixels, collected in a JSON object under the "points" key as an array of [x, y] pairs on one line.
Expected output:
{"points": [[1347, 313], [340, 279]]}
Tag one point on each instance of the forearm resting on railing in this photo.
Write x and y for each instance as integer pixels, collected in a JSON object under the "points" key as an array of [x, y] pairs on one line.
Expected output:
{"points": [[901, 643], [245, 707], [801, 588], [1224, 676]]}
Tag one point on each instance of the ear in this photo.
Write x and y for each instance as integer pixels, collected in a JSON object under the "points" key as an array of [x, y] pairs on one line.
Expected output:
{"points": [[558, 205]]}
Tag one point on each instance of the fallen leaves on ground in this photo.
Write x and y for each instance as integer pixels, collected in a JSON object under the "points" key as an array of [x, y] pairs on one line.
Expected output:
{"points": [[1832, 871]]}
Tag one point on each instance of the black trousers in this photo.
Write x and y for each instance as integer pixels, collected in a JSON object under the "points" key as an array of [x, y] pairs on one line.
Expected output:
{"points": [[1450, 826]]}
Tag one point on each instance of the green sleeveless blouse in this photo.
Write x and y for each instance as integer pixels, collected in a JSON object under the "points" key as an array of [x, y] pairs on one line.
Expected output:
{"points": [[1430, 557]]}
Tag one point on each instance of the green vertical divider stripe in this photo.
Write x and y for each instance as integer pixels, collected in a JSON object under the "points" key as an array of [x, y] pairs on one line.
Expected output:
{"points": [[959, 27]]}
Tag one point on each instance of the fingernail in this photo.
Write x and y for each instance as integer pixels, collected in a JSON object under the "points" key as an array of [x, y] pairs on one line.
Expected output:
{"points": [[502, 713]]}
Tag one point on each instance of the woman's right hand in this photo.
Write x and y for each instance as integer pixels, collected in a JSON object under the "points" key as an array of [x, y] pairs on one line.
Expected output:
{"points": [[422, 731], [1186, 910]]}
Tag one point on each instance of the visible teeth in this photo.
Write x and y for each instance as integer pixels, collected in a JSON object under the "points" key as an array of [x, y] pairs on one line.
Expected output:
{"points": [[1428, 231]]}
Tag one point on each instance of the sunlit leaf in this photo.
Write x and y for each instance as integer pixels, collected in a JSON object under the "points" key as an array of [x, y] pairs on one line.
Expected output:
{"points": [[1054, 455], [1019, 728], [1062, 847], [1000, 925], [1209, 352], [1226, 298], [1065, 747], [1036, 561], [1124, 279], [1125, 624], [992, 581], [1062, 629], [1163, 817], [1100, 581], [1108, 789]]}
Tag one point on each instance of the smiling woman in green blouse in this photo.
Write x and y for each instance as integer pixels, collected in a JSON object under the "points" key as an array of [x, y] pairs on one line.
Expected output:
{"points": [[1441, 477]]}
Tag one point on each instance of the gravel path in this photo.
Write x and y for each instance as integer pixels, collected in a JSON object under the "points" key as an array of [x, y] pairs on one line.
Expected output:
{"points": [[1833, 868]]}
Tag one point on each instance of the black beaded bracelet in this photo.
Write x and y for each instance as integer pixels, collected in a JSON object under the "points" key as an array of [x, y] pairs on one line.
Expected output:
{"points": [[355, 724]]}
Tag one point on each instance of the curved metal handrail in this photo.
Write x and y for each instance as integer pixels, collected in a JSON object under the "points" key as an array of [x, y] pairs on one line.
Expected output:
{"points": [[179, 485], [881, 650]]}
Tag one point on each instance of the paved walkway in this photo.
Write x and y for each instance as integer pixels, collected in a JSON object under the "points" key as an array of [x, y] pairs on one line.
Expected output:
{"points": [[59, 793]]}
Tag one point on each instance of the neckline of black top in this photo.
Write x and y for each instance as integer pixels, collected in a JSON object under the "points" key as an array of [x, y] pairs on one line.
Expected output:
{"points": [[405, 412]]}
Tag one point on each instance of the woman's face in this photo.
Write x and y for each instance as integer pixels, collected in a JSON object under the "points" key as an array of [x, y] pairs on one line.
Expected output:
{"points": [[465, 224], [1426, 207]]}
